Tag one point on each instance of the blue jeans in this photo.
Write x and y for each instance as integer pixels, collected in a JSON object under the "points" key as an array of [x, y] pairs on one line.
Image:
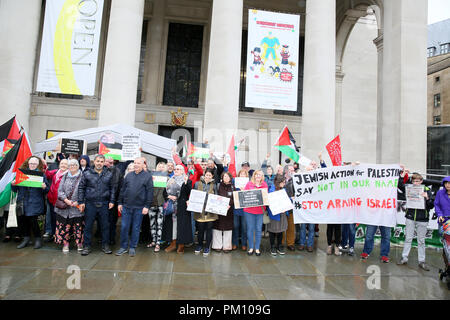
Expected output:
{"points": [[239, 228], [131, 218], [254, 228], [193, 224], [348, 235], [91, 212], [50, 219], [310, 241], [385, 240]]}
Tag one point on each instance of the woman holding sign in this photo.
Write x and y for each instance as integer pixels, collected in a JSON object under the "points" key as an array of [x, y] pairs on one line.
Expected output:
{"points": [[223, 226], [205, 219], [278, 223], [31, 185], [254, 215]]}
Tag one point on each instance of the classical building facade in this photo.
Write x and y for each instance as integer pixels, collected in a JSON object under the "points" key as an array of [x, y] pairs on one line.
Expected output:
{"points": [[363, 73], [438, 73]]}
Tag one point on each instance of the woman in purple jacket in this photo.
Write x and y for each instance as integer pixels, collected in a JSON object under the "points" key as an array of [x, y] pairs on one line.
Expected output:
{"points": [[442, 203]]}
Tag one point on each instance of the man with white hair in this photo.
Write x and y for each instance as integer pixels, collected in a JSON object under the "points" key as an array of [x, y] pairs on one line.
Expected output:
{"points": [[135, 199]]}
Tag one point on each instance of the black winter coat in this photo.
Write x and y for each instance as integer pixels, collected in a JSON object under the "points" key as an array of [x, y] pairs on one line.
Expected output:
{"points": [[33, 198], [96, 188]]}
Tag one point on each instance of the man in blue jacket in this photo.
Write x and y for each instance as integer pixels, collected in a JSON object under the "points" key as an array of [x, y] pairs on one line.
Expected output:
{"points": [[136, 196], [96, 194]]}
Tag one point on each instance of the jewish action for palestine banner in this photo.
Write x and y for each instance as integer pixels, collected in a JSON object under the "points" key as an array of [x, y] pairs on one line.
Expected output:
{"points": [[69, 50], [364, 194], [272, 60]]}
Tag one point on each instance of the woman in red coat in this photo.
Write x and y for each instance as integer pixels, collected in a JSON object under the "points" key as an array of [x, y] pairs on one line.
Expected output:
{"points": [[54, 177]]}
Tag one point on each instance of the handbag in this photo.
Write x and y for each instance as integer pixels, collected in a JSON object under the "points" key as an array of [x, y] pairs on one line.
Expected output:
{"points": [[12, 217], [168, 207], [60, 204], [266, 219]]}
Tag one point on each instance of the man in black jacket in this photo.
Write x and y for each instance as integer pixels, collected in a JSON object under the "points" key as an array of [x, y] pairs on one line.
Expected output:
{"points": [[96, 194], [136, 196], [117, 178]]}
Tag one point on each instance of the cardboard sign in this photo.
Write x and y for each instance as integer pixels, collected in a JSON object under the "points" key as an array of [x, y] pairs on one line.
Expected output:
{"points": [[131, 147], [414, 199], [279, 202], [73, 146], [250, 198], [240, 182], [196, 201], [217, 204]]}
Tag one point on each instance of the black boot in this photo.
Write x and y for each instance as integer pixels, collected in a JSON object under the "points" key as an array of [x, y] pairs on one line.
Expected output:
{"points": [[24, 243], [37, 243]]}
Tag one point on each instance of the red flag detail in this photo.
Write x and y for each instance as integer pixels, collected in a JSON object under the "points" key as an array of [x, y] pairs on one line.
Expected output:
{"points": [[232, 164], [103, 149], [284, 139], [23, 154], [334, 150], [191, 149]]}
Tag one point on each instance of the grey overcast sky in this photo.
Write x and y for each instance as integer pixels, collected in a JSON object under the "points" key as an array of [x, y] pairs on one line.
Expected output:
{"points": [[438, 10]]}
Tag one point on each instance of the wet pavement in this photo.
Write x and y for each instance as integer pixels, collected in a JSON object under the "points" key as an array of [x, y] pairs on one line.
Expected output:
{"points": [[43, 274]]}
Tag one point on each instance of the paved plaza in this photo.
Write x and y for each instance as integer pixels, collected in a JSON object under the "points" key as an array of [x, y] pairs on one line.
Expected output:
{"points": [[42, 274]]}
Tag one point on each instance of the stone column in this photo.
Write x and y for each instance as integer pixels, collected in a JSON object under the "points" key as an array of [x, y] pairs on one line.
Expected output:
{"points": [[319, 89], [379, 44], [19, 32], [120, 75], [153, 55], [222, 91], [339, 80], [404, 110]]}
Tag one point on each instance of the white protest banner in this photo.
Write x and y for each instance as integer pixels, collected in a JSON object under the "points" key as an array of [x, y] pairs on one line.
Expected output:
{"points": [[196, 201], [240, 182], [217, 204], [272, 60], [414, 199], [131, 147], [364, 194], [279, 202], [69, 49]]}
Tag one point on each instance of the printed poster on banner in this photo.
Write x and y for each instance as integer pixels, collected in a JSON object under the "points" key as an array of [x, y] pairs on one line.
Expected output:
{"points": [[365, 194], [272, 60], [69, 48], [131, 145]]}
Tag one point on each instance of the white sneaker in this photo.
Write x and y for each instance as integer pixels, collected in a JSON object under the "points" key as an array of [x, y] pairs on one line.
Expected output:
{"points": [[65, 249], [329, 250]]}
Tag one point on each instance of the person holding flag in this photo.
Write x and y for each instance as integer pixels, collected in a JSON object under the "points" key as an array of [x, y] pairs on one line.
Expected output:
{"points": [[31, 185]]}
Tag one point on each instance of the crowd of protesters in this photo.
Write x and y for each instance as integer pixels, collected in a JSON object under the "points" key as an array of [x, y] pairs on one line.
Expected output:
{"points": [[83, 192]]}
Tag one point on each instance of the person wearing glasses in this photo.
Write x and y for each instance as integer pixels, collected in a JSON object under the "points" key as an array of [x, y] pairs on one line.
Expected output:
{"points": [[33, 204]]}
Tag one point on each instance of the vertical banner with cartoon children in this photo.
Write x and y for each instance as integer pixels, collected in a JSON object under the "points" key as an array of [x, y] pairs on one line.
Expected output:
{"points": [[272, 60]]}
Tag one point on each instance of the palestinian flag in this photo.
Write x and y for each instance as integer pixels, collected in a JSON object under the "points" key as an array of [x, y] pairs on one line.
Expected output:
{"points": [[198, 150], [9, 167], [9, 134], [29, 178], [286, 145], [232, 152], [111, 150], [159, 179]]}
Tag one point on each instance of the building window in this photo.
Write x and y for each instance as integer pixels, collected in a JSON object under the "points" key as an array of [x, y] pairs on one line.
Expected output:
{"points": [[437, 79], [183, 65], [437, 120], [437, 100], [63, 96], [142, 62], [445, 48], [431, 51]]}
